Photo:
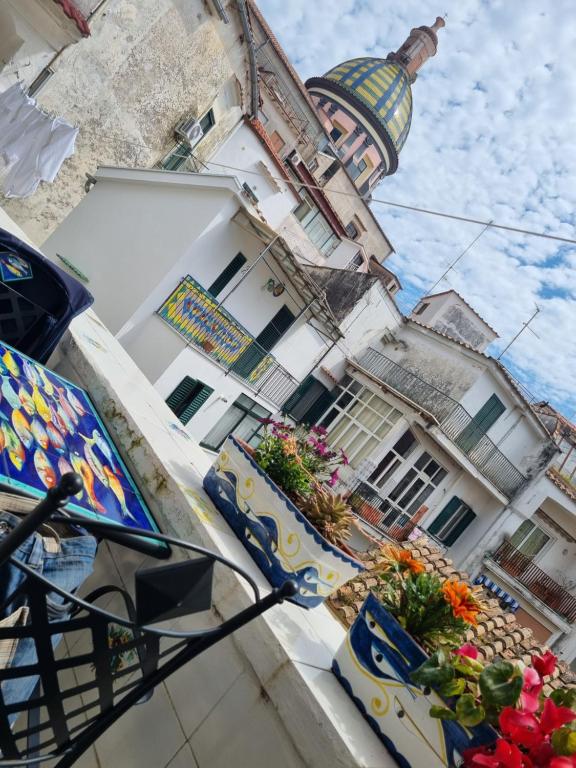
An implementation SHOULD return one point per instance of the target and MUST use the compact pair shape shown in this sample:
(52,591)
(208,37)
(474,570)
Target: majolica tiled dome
(381,87)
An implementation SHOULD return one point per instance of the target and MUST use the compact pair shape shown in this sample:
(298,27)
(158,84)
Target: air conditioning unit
(190,131)
(294,157)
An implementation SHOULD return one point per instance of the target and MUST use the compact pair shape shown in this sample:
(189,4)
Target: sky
(493,137)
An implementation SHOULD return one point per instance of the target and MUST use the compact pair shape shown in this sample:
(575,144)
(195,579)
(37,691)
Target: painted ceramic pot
(276,534)
(374,665)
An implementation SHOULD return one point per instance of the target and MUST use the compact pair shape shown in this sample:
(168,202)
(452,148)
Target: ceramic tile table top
(49,426)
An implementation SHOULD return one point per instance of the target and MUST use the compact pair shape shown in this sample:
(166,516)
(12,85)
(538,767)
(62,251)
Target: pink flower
(531,689)
(554,717)
(563,762)
(318,430)
(333,479)
(344,458)
(505,755)
(522,727)
(545,664)
(468,650)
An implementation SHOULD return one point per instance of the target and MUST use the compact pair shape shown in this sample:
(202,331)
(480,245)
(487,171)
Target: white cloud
(492,137)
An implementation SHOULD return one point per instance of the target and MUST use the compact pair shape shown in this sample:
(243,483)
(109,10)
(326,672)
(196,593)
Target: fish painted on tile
(26,399)
(2,440)
(9,394)
(56,439)
(16,451)
(46,383)
(22,428)
(83,468)
(65,420)
(75,403)
(40,434)
(64,467)
(44,469)
(57,419)
(10,363)
(94,463)
(118,491)
(66,407)
(41,405)
(31,374)
(98,440)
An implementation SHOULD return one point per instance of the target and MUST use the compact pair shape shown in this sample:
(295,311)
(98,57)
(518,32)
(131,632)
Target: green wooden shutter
(227,274)
(276,328)
(471,435)
(318,408)
(188,397)
(439,522)
(195,404)
(460,527)
(298,393)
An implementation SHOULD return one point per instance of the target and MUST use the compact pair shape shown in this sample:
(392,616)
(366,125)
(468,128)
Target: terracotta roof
(451,290)
(554,475)
(76,15)
(498,632)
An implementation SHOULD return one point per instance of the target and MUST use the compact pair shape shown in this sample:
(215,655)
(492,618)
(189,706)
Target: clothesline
(33,143)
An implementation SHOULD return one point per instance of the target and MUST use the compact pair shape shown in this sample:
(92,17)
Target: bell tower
(421,44)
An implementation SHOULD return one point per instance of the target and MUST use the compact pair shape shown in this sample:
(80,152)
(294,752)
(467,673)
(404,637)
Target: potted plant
(409,614)
(277,499)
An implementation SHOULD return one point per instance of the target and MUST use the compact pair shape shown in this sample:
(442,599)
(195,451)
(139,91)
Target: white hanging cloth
(33,145)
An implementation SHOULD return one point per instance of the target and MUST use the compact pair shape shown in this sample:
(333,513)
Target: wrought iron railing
(382,515)
(454,420)
(196,316)
(540,584)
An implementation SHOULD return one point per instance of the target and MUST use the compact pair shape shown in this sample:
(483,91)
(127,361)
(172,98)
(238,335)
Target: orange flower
(402,559)
(462,600)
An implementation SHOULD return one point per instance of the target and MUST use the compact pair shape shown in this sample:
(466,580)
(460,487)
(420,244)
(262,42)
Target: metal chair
(129,656)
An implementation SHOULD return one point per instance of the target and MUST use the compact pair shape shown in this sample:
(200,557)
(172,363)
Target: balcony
(537,581)
(195,315)
(451,418)
(381,514)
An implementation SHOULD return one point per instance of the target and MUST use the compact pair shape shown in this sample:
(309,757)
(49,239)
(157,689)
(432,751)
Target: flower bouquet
(277,499)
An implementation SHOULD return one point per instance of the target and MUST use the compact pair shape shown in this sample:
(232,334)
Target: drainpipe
(247,30)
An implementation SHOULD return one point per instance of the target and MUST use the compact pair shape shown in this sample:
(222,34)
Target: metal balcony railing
(381,514)
(196,316)
(540,584)
(453,420)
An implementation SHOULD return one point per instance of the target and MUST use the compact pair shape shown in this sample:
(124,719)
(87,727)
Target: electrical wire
(415,208)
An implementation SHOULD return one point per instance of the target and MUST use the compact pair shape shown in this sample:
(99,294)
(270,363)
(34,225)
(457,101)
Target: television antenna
(525,326)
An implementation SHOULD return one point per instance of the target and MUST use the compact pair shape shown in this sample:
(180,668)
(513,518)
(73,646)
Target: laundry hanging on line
(33,144)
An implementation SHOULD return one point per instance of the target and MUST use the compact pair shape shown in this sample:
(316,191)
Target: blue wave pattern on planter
(261,534)
(374,666)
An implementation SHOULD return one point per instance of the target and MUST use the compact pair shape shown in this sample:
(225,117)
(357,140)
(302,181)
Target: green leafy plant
(435,612)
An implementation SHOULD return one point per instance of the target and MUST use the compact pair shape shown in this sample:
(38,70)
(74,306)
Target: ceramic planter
(276,534)
(374,665)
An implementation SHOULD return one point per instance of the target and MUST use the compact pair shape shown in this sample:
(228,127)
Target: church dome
(383,89)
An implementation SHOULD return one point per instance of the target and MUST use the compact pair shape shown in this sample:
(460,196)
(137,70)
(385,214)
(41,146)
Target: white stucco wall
(447,312)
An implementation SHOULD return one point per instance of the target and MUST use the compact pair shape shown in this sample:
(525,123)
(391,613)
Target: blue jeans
(66,562)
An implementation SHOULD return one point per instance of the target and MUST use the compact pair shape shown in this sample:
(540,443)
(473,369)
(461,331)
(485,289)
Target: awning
(312,294)
(500,593)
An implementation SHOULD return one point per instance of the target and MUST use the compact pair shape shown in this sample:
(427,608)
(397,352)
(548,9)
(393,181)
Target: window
(227,274)
(313,165)
(352,231)
(471,435)
(452,521)
(182,151)
(277,141)
(357,169)
(529,539)
(411,490)
(330,171)
(316,226)
(393,459)
(356,262)
(188,397)
(358,420)
(309,401)
(335,134)
(242,420)
(422,308)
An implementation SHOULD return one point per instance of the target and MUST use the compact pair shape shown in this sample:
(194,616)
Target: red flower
(468,650)
(563,762)
(530,696)
(333,479)
(522,727)
(554,717)
(545,664)
(505,755)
